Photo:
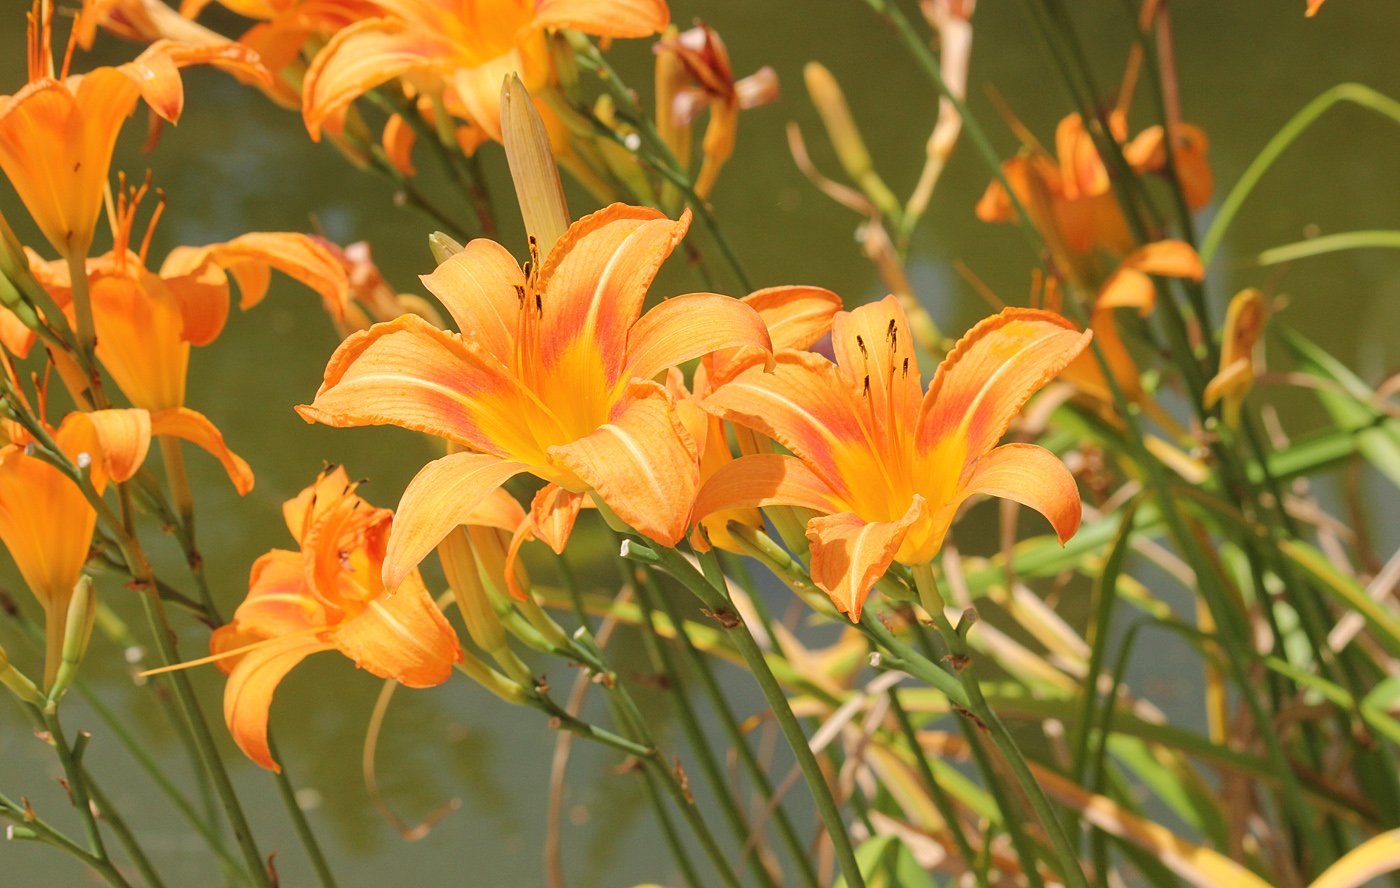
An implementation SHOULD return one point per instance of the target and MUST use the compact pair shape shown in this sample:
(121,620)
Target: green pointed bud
(82,614)
(460,567)
(845,137)
(532,167)
(443,247)
(565,63)
(17,682)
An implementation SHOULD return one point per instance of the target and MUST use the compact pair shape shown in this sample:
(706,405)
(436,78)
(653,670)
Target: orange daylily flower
(795,317)
(1313,7)
(887,464)
(551,374)
(1128,287)
(693,72)
(327,596)
(45,521)
(58,132)
(463,46)
(1070,199)
(147,322)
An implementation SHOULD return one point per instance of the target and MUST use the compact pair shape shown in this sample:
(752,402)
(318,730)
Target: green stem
(300,823)
(695,734)
(797,850)
(1330,243)
(710,589)
(956,638)
(82,307)
(124,835)
(36,829)
(77,786)
(1342,92)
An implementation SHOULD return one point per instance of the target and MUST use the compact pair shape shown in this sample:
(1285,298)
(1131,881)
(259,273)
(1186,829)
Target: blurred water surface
(237,163)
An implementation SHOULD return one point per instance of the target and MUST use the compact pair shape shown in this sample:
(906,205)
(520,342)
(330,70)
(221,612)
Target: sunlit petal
(987,378)
(402,635)
(481,288)
(849,555)
(359,58)
(408,373)
(181,422)
(440,497)
(552,515)
(248,694)
(596,279)
(1034,477)
(765,479)
(796,316)
(642,463)
(604,18)
(690,326)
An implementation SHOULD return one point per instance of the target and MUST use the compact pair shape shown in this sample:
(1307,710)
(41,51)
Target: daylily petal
(305,507)
(46,523)
(1167,258)
(499,510)
(140,337)
(766,479)
(690,326)
(642,463)
(181,422)
(850,555)
(552,515)
(481,288)
(408,373)
(802,404)
(595,280)
(249,257)
(402,636)
(279,602)
(121,439)
(248,694)
(988,376)
(398,139)
(604,18)
(359,58)
(796,316)
(440,497)
(201,291)
(875,356)
(1034,477)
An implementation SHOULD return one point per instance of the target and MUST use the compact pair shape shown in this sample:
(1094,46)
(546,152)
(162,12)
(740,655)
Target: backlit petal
(140,338)
(408,373)
(402,635)
(594,283)
(440,497)
(181,422)
(499,510)
(359,58)
(479,288)
(849,556)
(604,18)
(248,694)
(46,523)
(803,405)
(642,463)
(986,379)
(1034,477)
(305,507)
(875,356)
(121,438)
(690,326)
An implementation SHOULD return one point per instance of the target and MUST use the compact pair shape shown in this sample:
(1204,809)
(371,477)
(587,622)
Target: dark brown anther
(539,304)
(860,343)
(519,293)
(527,267)
(866,391)
(892,335)
(906,368)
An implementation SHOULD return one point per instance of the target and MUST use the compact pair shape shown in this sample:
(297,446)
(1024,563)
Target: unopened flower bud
(845,138)
(443,247)
(532,166)
(15,680)
(460,567)
(82,614)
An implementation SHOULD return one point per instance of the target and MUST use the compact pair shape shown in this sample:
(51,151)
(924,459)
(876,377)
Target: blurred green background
(237,163)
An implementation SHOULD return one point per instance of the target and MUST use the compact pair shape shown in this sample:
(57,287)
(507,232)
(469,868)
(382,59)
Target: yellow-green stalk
(846,139)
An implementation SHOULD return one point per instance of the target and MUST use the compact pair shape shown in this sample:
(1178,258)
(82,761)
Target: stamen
(865,393)
(906,368)
(214,658)
(68,53)
(860,343)
(151,225)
